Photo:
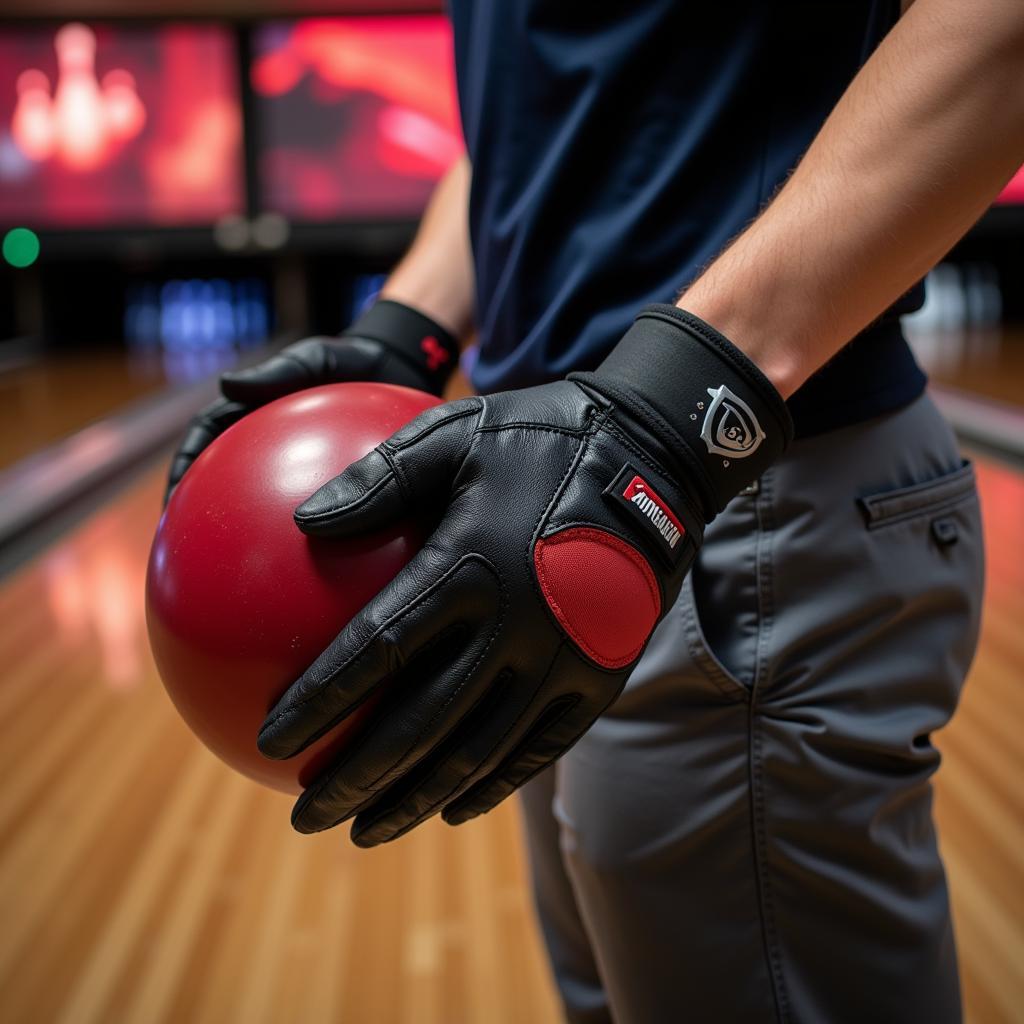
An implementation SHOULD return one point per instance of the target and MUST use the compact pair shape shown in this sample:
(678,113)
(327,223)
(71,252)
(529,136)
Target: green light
(21,247)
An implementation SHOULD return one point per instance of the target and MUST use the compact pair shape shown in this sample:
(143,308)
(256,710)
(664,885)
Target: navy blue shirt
(617,147)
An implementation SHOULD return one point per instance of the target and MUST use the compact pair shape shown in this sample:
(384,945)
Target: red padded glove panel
(601,590)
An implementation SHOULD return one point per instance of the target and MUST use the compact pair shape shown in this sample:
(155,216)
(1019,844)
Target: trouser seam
(765,614)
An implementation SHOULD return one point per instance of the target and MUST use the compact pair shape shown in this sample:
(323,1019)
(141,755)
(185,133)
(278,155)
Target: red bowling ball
(239,602)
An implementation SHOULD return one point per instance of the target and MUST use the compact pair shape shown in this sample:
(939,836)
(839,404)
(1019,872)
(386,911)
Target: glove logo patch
(730,426)
(633,494)
(642,496)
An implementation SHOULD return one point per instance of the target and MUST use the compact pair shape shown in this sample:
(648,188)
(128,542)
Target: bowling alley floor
(44,399)
(988,365)
(141,881)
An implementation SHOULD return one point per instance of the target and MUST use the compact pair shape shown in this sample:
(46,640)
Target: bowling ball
(239,602)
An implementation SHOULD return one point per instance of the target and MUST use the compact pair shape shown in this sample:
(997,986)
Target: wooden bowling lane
(47,399)
(979,797)
(143,882)
(985,363)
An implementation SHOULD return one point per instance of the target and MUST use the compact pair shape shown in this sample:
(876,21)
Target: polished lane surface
(45,400)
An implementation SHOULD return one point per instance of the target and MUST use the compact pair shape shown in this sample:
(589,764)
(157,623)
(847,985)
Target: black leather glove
(390,343)
(566,518)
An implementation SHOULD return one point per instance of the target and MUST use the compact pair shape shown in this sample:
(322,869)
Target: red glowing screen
(357,117)
(117,125)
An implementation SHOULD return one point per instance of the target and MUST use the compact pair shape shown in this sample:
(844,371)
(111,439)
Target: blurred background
(184,187)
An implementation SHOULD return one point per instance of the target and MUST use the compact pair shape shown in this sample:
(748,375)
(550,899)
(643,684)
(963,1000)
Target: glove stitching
(499,427)
(390,457)
(575,458)
(572,462)
(316,790)
(359,499)
(422,599)
(445,762)
(658,425)
(499,778)
(465,800)
(618,432)
(482,761)
(371,787)
(450,417)
(439,712)
(595,420)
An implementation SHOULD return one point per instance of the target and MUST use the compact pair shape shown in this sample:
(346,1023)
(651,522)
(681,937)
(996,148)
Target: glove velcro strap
(717,415)
(416,338)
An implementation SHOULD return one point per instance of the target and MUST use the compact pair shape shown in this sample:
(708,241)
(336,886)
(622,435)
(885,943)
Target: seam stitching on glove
(659,426)
(575,458)
(331,774)
(499,427)
(504,774)
(432,593)
(424,597)
(450,417)
(391,458)
(618,432)
(480,781)
(365,494)
(439,713)
(494,775)
(431,809)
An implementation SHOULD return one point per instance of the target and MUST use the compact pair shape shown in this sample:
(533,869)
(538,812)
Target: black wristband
(417,339)
(716,414)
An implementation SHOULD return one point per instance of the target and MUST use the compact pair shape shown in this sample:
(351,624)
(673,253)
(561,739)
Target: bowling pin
(125,114)
(32,124)
(79,115)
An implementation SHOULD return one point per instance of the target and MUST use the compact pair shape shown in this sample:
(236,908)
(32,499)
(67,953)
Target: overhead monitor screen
(112,125)
(356,117)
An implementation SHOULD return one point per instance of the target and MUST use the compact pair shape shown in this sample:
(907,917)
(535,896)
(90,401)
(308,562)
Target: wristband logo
(730,426)
(437,355)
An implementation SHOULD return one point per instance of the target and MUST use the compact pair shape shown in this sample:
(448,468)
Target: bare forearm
(436,275)
(919,145)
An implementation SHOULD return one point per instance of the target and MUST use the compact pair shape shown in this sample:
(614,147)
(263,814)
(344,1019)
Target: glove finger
(497,725)
(440,665)
(414,733)
(563,722)
(409,613)
(412,471)
(495,730)
(298,366)
(203,428)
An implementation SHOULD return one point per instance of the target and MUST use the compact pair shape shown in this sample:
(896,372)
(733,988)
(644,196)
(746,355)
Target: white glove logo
(730,426)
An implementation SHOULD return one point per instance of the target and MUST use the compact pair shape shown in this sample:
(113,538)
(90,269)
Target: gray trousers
(747,834)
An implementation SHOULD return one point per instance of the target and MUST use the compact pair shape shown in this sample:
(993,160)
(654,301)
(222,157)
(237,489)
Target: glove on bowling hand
(567,516)
(390,344)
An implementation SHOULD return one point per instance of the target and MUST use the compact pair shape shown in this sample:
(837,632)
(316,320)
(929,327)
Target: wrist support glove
(390,343)
(566,518)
